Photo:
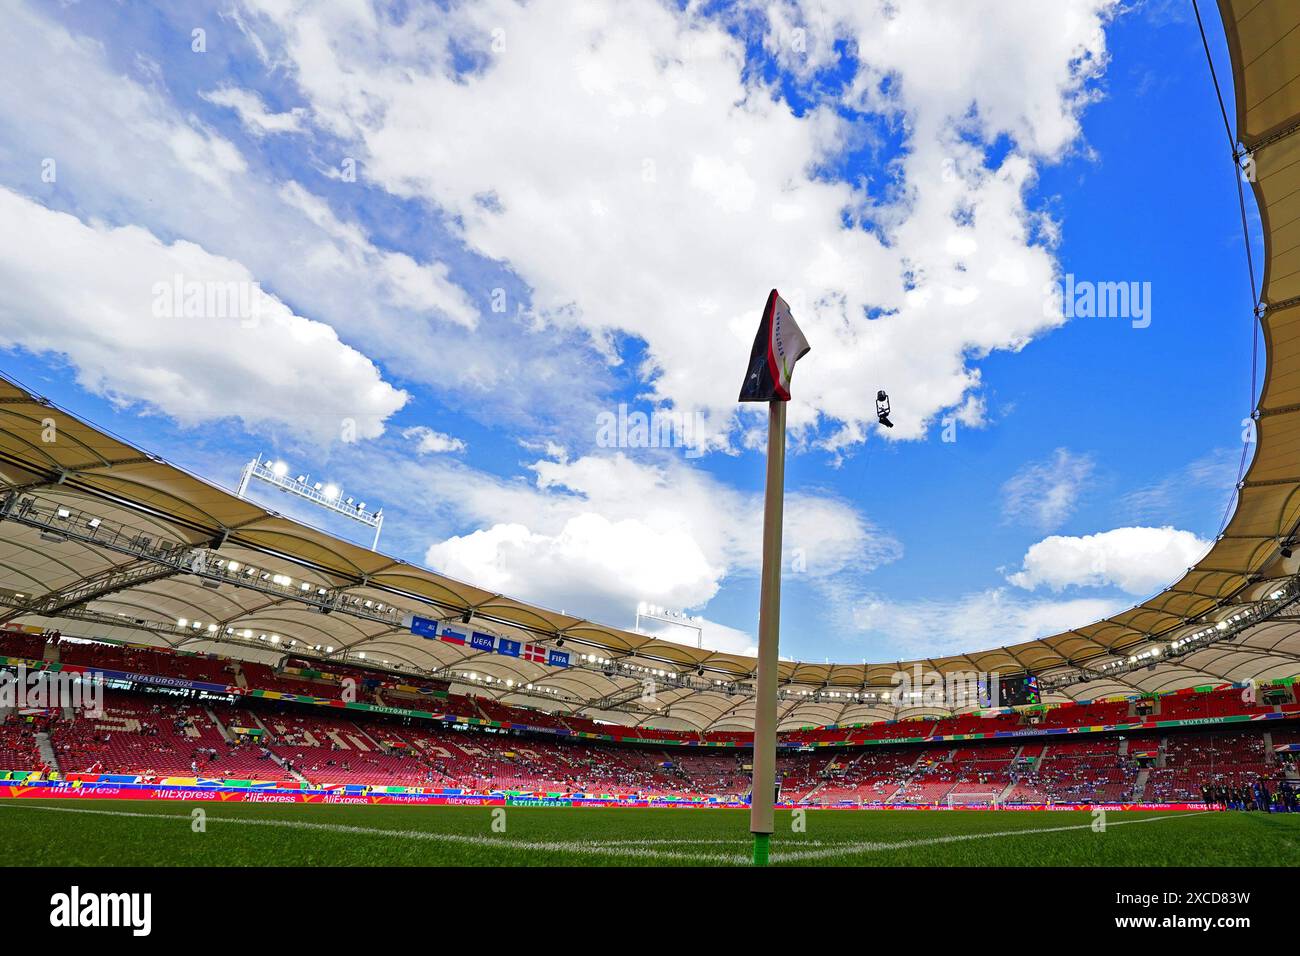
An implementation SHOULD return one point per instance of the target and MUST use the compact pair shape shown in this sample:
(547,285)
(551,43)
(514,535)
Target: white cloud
(1044,494)
(598,534)
(629,169)
(993,51)
(1139,561)
(105,298)
(126,153)
(429,442)
(1214,472)
(983,619)
(590,560)
(405,283)
(252,112)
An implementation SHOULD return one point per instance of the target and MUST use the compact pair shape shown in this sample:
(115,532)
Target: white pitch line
(580,846)
(692,841)
(637,849)
(875,847)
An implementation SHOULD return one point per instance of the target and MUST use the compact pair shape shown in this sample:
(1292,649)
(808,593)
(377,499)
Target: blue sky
(561,209)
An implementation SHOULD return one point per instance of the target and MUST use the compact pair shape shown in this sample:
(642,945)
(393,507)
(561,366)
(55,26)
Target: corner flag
(778,345)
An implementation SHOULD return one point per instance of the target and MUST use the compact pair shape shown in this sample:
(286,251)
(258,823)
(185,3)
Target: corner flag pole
(777,347)
(763,788)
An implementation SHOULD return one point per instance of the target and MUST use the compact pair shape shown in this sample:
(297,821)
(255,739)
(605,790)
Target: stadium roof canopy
(101,539)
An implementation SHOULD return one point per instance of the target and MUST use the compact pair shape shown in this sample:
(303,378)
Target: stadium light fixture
(327,496)
(652,612)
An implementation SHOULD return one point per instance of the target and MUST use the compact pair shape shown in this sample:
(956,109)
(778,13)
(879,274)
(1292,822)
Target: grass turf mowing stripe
(619,848)
(794,856)
(573,846)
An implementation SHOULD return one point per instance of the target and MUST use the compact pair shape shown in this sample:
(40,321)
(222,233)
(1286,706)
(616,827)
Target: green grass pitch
(137,833)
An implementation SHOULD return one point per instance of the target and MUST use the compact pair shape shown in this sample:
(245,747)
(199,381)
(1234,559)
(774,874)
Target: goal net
(969,799)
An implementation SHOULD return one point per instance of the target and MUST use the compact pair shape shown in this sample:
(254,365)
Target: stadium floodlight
(327,496)
(652,612)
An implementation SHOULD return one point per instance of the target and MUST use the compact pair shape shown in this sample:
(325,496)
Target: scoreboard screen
(1018,690)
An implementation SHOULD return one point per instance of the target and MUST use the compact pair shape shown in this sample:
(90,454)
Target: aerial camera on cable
(882,409)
